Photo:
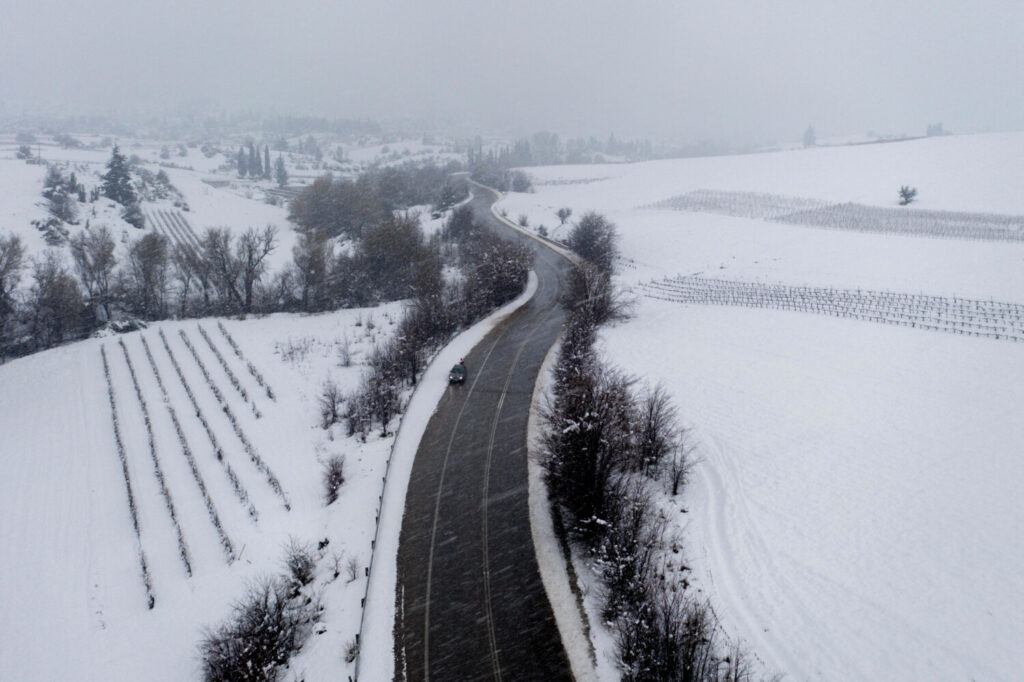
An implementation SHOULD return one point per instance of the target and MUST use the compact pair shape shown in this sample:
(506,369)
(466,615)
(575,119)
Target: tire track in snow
(721,559)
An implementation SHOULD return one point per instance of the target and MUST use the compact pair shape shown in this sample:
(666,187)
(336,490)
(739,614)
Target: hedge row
(606,450)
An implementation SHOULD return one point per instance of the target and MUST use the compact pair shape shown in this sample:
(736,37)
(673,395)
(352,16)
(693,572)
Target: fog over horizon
(732,71)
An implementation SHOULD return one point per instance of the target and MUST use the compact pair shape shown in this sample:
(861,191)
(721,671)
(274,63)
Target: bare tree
(224,267)
(592,296)
(657,432)
(331,401)
(56,301)
(810,139)
(185,267)
(334,478)
(586,445)
(563,214)
(147,276)
(679,465)
(12,256)
(93,254)
(252,251)
(311,256)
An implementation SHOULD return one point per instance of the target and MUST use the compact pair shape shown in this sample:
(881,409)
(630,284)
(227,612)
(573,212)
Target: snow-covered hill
(855,510)
(208,184)
(243,478)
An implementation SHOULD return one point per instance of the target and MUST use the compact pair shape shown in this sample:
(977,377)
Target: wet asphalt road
(470,603)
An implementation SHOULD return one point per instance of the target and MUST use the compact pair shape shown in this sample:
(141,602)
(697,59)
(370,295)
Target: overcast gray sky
(684,70)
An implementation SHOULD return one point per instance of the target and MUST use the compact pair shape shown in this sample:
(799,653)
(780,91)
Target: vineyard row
(236,484)
(132,507)
(157,469)
(989,319)
(250,450)
(186,450)
(851,216)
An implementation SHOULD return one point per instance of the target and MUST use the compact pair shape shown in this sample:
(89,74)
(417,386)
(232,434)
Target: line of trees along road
(609,451)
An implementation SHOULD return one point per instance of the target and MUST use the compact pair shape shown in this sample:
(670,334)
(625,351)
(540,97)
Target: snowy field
(73,581)
(72,593)
(855,510)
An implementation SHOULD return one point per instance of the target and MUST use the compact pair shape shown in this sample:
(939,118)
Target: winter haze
(730,70)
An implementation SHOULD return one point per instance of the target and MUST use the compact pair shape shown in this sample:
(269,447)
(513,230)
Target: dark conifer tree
(280,174)
(243,163)
(117,182)
(266,162)
(255,167)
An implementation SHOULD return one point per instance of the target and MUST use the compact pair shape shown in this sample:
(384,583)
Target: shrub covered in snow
(334,477)
(266,627)
(606,450)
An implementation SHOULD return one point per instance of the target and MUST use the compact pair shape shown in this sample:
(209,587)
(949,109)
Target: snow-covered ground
(855,509)
(237,205)
(72,581)
(215,195)
(72,594)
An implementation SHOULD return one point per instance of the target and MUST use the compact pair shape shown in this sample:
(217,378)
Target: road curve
(470,604)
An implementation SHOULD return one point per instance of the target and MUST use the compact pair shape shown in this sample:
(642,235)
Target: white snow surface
(854,511)
(238,206)
(71,591)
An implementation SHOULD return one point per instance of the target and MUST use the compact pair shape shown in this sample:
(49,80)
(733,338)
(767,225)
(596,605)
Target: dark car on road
(458,374)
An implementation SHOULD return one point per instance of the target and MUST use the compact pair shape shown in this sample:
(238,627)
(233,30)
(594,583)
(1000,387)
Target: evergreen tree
(62,205)
(595,238)
(280,174)
(810,138)
(266,162)
(54,179)
(255,167)
(117,182)
(907,194)
(133,216)
(243,163)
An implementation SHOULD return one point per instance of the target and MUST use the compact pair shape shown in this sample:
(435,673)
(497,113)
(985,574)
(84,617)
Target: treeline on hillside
(95,281)
(492,271)
(152,279)
(65,195)
(609,449)
(548,149)
(498,176)
(341,207)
